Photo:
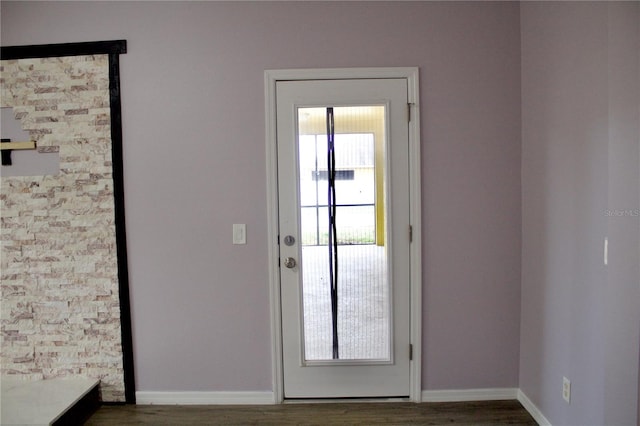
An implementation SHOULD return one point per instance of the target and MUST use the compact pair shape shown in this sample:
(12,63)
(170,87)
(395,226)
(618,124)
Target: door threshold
(348,400)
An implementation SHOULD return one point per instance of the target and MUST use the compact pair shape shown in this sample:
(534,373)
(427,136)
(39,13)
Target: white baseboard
(532,409)
(205,398)
(495,394)
(262,398)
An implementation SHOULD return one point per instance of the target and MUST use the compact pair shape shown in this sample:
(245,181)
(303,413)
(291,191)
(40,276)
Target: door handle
(289,262)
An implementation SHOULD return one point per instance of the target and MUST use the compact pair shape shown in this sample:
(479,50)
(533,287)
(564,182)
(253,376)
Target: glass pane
(363,309)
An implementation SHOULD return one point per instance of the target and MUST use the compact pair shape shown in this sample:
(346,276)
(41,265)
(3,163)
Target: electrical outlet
(566,390)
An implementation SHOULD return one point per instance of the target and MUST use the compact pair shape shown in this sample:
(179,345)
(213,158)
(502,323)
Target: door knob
(289,262)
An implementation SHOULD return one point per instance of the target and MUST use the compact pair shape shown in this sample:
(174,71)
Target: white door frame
(270,79)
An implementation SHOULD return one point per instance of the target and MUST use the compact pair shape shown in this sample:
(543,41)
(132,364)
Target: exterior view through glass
(363,302)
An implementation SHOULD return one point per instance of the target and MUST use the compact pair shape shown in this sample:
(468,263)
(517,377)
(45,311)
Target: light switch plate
(239,233)
(566,390)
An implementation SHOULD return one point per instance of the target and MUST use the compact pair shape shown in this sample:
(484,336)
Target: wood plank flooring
(387,413)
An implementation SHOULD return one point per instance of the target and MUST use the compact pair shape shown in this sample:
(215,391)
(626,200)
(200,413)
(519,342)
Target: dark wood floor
(387,413)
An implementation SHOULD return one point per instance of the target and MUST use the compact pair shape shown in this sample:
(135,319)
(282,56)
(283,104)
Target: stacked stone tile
(60,309)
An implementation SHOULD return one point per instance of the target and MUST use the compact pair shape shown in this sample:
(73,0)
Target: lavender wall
(580,169)
(193,122)
(623,297)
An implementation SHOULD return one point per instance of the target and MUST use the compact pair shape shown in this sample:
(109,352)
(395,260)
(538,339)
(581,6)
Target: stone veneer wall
(60,309)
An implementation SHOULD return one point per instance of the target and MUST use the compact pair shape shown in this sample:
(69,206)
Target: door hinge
(410,233)
(408,113)
(410,352)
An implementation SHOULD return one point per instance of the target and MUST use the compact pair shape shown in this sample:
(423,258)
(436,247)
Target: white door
(343,185)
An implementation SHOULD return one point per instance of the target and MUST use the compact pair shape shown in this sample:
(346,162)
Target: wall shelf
(17,145)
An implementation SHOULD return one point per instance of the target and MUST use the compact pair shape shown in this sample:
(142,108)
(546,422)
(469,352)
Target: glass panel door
(343,198)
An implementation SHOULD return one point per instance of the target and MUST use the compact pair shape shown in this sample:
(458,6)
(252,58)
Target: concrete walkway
(363,300)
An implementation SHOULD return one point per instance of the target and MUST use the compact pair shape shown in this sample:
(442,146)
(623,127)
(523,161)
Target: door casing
(270,79)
